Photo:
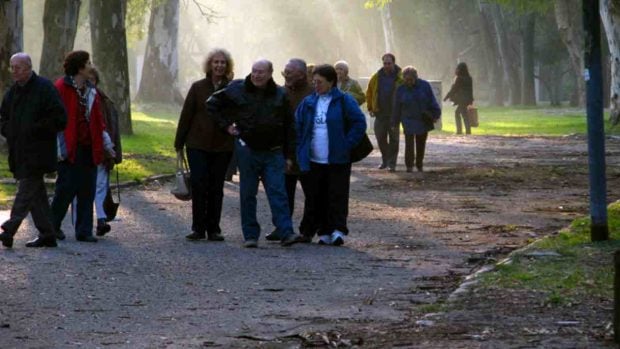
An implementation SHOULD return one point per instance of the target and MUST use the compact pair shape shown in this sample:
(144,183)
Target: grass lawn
(149,150)
(581,270)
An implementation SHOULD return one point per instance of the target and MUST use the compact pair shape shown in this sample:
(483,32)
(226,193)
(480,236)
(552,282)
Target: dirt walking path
(414,236)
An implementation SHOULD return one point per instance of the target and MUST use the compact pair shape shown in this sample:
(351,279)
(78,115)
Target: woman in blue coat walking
(329,124)
(417,109)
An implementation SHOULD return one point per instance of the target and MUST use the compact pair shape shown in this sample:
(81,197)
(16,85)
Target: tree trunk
(12,37)
(107,31)
(496,88)
(569,21)
(60,18)
(160,71)
(610,15)
(388,28)
(511,71)
(528,91)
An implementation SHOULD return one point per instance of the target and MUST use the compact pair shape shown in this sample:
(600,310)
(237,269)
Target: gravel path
(413,238)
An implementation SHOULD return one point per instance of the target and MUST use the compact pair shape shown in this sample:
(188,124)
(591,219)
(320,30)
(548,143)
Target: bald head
(262,70)
(21,67)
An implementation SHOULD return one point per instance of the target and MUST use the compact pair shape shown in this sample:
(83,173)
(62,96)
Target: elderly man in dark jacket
(30,116)
(257,112)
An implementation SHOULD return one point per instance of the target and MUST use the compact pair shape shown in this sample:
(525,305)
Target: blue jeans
(268,165)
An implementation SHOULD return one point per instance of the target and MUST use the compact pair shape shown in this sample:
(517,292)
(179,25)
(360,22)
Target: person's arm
(396,110)
(370,95)
(185,119)
(4,116)
(355,120)
(357,93)
(216,105)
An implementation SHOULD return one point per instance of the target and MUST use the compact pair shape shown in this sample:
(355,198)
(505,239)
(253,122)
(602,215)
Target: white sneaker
(337,238)
(251,243)
(325,240)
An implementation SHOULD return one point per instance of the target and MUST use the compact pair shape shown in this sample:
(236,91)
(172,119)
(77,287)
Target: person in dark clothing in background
(257,112)
(297,88)
(462,95)
(379,99)
(31,115)
(208,148)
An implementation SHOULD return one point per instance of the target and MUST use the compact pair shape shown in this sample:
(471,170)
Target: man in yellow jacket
(380,97)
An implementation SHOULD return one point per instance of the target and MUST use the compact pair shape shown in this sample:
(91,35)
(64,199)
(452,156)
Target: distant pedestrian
(379,99)
(31,115)
(417,109)
(209,148)
(86,145)
(462,95)
(257,112)
(328,124)
(348,85)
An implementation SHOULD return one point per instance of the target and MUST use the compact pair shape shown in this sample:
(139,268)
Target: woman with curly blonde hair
(208,148)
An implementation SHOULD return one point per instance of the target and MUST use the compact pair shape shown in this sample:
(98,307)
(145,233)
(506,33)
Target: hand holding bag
(182,188)
(364,147)
(109,206)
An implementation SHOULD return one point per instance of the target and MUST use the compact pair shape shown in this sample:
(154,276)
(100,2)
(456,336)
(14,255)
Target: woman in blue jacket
(329,124)
(417,109)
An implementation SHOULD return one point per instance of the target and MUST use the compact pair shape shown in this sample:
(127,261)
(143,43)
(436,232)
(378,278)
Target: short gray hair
(24,57)
(299,64)
(266,62)
(342,64)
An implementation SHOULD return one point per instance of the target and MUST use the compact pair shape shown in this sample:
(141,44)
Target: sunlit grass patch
(582,269)
(520,121)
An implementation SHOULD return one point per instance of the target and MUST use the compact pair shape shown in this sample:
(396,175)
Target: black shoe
(7,239)
(290,239)
(409,169)
(42,242)
(273,236)
(215,237)
(60,235)
(87,238)
(196,236)
(420,169)
(102,227)
(392,169)
(382,167)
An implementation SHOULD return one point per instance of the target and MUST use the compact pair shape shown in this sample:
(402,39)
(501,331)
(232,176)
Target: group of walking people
(301,132)
(69,127)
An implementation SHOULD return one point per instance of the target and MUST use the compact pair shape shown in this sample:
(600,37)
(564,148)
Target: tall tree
(493,55)
(507,54)
(11,35)
(108,36)
(161,70)
(60,18)
(610,15)
(569,21)
(528,91)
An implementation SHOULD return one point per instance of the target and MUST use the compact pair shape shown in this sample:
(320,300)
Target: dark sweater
(197,129)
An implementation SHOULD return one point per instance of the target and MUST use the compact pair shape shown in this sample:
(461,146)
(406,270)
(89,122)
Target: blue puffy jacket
(346,125)
(410,103)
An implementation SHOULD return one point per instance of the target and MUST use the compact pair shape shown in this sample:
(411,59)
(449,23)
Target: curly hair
(230,64)
(74,61)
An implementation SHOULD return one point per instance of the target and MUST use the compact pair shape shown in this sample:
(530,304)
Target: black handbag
(428,121)
(109,206)
(363,148)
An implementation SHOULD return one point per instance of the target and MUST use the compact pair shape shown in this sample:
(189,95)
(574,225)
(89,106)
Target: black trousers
(414,150)
(208,170)
(461,113)
(78,179)
(327,197)
(387,139)
(31,197)
(307,226)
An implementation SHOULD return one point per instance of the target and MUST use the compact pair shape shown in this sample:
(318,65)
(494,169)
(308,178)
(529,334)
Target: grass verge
(581,269)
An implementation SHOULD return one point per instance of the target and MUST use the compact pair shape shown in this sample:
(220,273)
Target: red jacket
(70,99)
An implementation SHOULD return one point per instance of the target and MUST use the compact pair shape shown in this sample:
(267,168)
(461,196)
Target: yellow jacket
(373,87)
